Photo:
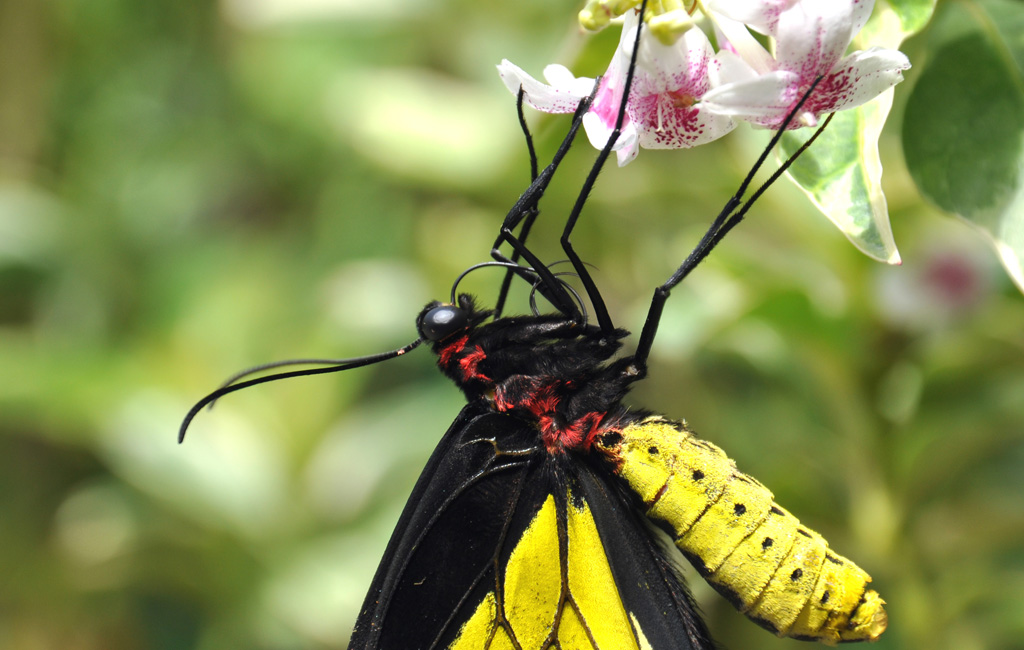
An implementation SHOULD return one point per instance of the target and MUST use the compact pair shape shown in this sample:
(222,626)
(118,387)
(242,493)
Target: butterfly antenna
(512,267)
(568,287)
(334,365)
(726,220)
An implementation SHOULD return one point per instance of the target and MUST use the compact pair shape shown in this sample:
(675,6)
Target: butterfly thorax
(548,370)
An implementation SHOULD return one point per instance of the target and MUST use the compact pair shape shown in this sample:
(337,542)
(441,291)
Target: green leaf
(841,173)
(894,21)
(963,133)
(913,14)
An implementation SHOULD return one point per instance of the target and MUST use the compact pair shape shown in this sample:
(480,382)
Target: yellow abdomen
(776,571)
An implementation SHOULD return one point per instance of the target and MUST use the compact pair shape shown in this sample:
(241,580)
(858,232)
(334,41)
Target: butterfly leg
(525,212)
(731,215)
(600,310)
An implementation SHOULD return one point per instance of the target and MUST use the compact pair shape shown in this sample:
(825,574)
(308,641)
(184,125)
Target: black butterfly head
(440,320)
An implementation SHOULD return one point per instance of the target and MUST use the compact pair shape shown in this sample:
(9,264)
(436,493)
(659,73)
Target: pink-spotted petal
(733,37)
(626,155)
(668,84)
(559,76)
(682,67)
(763,100)
(859,14)
(857,79)
(540,96)
(674,126)
(730,68)
(609,91)
(812,35)
(760,15)
(608,98)
(599,131)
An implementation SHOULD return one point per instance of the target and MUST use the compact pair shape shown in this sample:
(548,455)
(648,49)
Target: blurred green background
(189,188)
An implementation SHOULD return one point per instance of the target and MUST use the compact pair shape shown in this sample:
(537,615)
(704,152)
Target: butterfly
(551,515)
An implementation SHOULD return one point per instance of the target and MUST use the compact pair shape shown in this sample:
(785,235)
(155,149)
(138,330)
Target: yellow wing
(776,571)
(542,603)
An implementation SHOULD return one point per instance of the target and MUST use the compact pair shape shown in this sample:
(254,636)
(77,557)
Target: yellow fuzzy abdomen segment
(775,570)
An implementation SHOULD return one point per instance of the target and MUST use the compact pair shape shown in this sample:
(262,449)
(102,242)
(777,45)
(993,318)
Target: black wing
(505,545)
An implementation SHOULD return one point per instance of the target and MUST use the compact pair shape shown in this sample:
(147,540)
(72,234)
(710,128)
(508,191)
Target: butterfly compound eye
(442,321)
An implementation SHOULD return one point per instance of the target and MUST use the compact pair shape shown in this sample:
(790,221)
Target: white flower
(684,94)
(562,94)
(811,37)
(664,109)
